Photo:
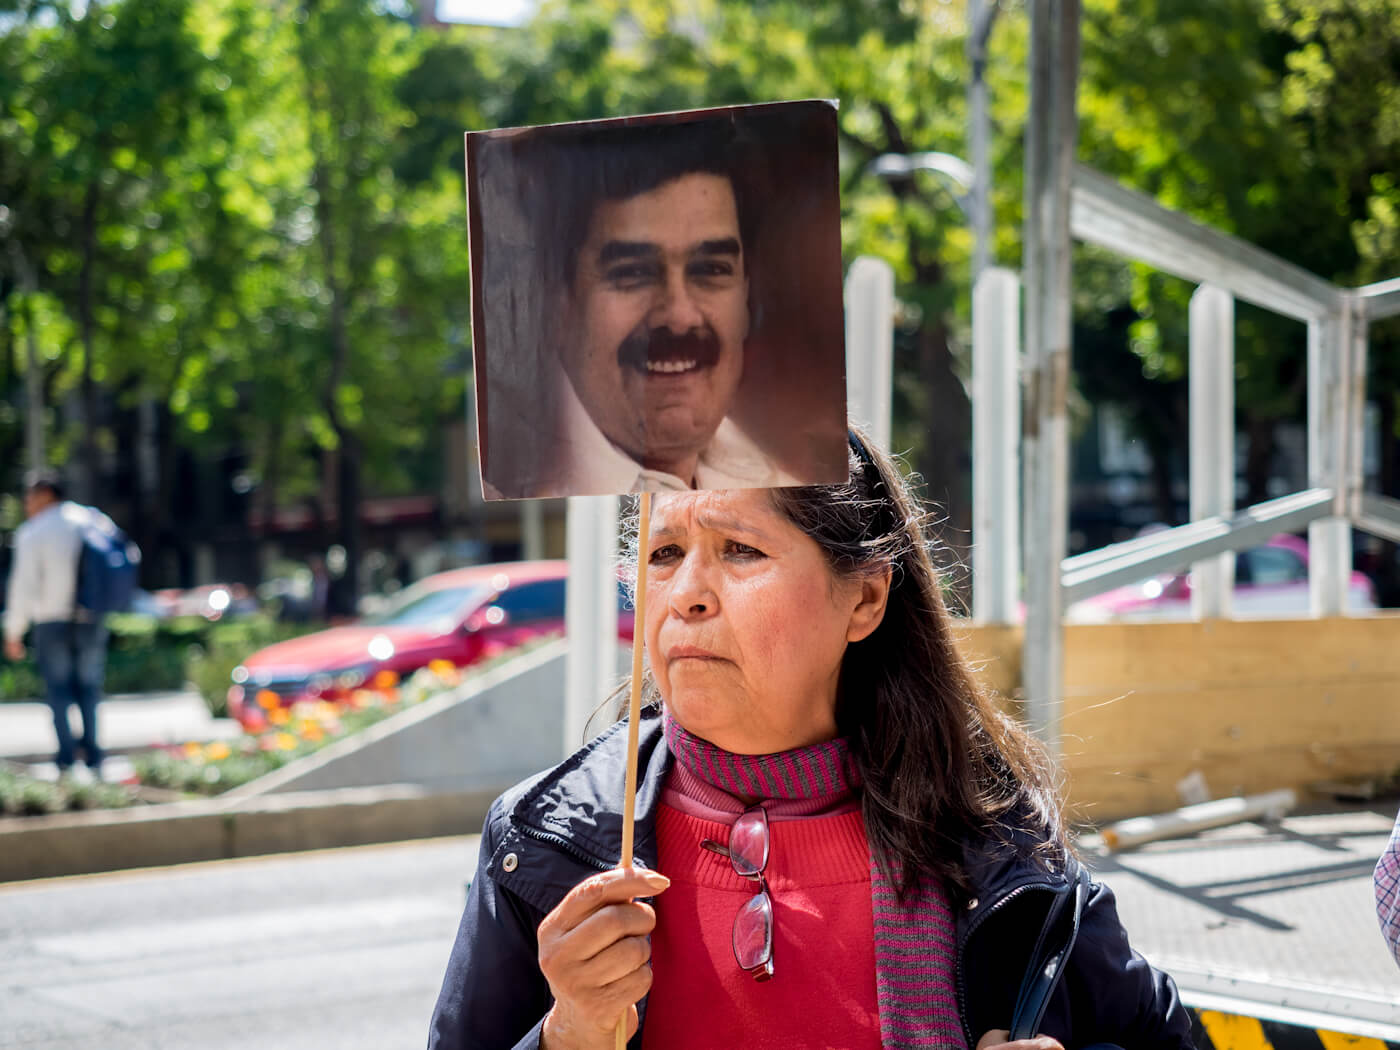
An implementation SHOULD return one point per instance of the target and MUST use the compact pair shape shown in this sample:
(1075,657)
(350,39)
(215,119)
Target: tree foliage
(247,214)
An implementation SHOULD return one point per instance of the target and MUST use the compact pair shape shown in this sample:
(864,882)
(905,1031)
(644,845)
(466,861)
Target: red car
(462,616)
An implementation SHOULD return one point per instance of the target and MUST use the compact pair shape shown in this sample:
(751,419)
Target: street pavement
(124,723)
(338,948)
(346,948)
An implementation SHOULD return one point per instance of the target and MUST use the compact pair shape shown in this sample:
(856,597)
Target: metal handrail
(1175,550)
(1135,226)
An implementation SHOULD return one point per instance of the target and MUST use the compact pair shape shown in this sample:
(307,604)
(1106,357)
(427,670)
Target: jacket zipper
(561,843)
(962,948)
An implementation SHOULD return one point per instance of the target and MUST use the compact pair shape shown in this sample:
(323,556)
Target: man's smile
(672,367)
(659,353)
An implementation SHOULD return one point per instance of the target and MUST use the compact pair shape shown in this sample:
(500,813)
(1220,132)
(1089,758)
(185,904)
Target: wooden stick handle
(634,710)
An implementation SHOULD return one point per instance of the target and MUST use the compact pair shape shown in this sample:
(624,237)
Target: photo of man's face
(657,315)
(657,304)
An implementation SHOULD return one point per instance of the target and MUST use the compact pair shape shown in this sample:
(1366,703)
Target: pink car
(1270,581)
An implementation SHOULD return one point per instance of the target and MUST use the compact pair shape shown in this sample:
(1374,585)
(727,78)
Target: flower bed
(25,796)
(289,733)
(196,769)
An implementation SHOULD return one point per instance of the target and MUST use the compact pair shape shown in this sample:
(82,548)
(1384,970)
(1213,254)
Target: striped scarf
(914,939)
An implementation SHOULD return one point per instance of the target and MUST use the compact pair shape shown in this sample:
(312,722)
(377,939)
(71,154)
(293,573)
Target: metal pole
(1211,380)
(531,529)
(1356,408)
(870,345)
(1050,141)
(980,17)
(1329,540)
(590,613)
(996,434)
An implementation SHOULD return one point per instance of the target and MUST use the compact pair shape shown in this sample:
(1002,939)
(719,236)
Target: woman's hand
(998,1039)
(594,953)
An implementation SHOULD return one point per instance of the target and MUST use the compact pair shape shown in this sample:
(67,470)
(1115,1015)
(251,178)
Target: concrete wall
(493,731)
(214,829)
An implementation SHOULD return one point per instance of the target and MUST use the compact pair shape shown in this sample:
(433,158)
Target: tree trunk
(1259,460)
(1161,454)
(169,569)
(945,459)
(345,591)
(33,375)
(86,481)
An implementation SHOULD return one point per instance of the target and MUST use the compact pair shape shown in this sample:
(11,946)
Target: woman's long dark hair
(942,763)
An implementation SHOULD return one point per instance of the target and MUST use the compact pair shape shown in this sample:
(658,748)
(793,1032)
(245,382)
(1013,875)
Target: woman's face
(745,623)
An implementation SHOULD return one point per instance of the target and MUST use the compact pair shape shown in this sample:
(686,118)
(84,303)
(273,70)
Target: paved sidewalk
(124,723)
(1277,914)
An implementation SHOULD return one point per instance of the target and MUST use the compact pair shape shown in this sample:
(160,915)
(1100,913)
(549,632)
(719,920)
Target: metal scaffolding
(1065,201)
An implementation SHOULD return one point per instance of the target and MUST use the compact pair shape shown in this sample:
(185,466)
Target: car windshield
(420,609)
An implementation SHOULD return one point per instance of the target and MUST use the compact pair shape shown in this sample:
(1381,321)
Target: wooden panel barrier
(1250,705)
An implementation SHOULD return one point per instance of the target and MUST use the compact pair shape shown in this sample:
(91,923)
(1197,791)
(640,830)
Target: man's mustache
(700,345)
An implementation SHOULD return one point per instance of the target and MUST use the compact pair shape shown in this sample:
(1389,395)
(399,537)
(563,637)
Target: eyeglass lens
(753,926)
(748,843)
(753,936)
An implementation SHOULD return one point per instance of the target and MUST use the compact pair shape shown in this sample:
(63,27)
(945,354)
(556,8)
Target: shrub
(23,795)
(38,797)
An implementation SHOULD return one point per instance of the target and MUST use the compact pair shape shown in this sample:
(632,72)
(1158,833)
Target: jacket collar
(579,803)
(581,800)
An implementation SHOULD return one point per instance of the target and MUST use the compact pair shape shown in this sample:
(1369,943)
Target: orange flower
(193,749)
(279,717)
(313,732)
(286,742)
(268,700)
(216,751)
(385,679)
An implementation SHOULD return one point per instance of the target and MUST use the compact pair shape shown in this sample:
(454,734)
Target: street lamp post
(980,16)
(969,180)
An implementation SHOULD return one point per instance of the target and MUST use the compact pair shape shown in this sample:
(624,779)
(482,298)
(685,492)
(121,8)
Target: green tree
(107,89)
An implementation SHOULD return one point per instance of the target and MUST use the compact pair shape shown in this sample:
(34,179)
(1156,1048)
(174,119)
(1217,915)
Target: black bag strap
(1047,959)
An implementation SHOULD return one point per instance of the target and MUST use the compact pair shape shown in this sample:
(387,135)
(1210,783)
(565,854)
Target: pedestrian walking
(70,643)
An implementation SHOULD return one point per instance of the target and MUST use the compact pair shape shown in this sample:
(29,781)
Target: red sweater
(823,989)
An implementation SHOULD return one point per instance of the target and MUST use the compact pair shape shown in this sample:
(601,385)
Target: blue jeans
(72,658)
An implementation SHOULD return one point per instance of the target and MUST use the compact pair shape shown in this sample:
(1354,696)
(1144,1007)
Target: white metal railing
(1175,550)
(1137,227)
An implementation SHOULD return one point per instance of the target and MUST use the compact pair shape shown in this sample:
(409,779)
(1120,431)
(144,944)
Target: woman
(841,842)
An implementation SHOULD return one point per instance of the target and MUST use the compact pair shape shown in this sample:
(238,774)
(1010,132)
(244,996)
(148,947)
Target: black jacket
(544,836)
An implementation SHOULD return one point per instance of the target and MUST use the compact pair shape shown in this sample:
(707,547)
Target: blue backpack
(107,567)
